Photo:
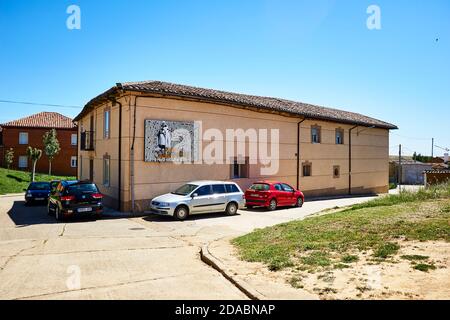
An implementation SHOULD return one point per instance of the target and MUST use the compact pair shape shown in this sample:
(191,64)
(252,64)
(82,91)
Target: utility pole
(400,167)
(432,148)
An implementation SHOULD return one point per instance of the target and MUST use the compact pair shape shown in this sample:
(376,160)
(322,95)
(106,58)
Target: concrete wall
(370,151)
(413,173)
(61,164)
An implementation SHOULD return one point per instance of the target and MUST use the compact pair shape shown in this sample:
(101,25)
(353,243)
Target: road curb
(9,195)
(243,286)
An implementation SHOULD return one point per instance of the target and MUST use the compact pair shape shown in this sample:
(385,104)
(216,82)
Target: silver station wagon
(199,197)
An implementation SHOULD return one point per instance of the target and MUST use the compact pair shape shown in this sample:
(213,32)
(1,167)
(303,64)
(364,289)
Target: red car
(273,194)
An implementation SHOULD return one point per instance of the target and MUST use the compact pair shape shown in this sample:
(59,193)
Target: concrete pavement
(129,258)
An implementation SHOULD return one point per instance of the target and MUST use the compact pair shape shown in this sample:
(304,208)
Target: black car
(75,198)
(37,192)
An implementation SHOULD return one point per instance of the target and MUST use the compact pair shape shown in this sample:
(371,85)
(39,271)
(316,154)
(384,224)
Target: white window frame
(106,171)
(23,135)
(73,161)
(74,139)
(107,123)
(23,162)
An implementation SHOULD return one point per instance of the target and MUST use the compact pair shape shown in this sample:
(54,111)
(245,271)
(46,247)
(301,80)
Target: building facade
(29,131)
(322,151)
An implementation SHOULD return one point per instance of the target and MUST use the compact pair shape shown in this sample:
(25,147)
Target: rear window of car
(231,188)
(260,187)
(287,187)
(39,186)
(82,188)
(278,187)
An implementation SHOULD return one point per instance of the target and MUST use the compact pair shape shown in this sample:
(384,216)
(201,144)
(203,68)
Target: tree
(9,158)
(51,147)
(34,154)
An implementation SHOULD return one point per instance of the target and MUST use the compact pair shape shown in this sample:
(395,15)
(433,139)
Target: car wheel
(232,209)
(299,202)
(181,213)
(272,205)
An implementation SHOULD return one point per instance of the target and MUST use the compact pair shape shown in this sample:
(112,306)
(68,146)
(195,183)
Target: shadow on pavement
(158,218)
(23,215)
(345,196)
(36,214)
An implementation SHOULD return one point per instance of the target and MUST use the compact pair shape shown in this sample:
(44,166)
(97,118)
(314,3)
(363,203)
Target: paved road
(128,258)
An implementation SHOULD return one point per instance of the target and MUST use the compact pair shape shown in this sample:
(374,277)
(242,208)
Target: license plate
(84,209)
(255,195)
(39,199)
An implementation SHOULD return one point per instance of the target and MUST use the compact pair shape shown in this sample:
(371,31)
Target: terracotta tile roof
(43,120)
(236,99)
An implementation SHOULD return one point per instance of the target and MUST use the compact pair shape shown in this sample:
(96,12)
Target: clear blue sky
(319,52)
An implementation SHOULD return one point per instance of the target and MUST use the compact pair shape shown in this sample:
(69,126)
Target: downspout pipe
(350,159)
(133,201)
(119,170)
(298,151)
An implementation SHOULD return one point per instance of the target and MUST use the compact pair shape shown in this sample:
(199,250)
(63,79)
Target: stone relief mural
(171,141)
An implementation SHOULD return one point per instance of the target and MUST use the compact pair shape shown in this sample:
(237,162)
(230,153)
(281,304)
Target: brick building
(29,131)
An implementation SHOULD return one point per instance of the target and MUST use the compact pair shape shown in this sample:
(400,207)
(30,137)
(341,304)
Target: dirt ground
(394,278)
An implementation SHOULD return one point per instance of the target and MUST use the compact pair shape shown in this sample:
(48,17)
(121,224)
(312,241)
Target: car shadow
(34,214)
(263,209)
(195,217)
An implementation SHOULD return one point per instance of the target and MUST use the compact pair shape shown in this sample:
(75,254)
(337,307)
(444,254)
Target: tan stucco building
(323,151)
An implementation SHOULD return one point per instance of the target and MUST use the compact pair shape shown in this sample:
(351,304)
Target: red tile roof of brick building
(42,120)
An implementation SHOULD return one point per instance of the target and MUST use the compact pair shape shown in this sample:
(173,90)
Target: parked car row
(66,198)
(219,196)
(76,198)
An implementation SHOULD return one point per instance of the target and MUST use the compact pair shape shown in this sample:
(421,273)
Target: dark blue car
(37,192)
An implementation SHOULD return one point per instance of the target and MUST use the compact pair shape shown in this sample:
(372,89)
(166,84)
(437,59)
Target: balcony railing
(87,141)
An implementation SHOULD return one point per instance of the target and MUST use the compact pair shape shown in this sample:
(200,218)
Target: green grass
(341,266)
(392,186)
(424,267)
(349,258)
(386,250)
(434,192)
(414,257)
(326,241)
(12,181)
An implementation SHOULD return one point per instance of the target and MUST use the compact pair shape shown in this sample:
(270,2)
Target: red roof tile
(43,120)
(260,103)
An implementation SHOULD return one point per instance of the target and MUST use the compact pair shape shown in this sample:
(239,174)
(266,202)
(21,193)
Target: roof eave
(114,90)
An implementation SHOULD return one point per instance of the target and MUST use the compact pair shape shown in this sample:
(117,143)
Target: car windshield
(260,187)
(185,190)
(82,188)
(39,186)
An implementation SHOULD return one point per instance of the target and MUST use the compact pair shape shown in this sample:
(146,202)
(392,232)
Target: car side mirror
(194,195)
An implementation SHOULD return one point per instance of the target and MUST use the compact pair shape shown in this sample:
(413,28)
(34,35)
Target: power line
(411,138)
(40,104)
